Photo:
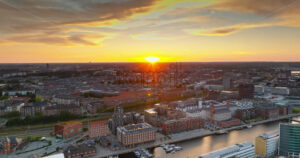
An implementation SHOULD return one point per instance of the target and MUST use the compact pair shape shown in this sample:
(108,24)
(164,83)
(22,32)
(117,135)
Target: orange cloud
(29,21)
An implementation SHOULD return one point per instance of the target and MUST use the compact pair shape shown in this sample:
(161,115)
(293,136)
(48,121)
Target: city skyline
(130,30)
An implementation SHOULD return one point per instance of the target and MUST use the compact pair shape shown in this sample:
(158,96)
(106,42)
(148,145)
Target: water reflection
(194,148)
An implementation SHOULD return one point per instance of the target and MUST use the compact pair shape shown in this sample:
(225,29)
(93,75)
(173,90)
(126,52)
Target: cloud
(54,18)
(149,36)
(227,30)
(66,40)
(267,13)
(263,7)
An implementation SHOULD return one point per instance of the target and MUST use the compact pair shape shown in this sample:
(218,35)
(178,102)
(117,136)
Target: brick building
(98,129)
(67,129)
(183,124)
(267,111)
(135,134)
(228,123)
(245,114)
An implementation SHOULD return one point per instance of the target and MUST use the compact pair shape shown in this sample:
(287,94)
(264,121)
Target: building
(9,144)
(67,129)
(56,109)
(33,108)
(277,90)
(289,140)
(266,144)
(65,99)
(221,115)
(242,150)
(82,150)
(98,129)
(94,106)
(21,92)
(182,124)
(151,117)
(227,83)
(59,155)
(189,105)
(267,111)
(246,91)
(136,134)
(117,119)
(245,110)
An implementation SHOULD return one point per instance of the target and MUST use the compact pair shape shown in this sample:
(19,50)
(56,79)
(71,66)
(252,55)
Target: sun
(152,59)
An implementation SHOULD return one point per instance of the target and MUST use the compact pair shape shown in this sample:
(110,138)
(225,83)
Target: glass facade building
(289,141)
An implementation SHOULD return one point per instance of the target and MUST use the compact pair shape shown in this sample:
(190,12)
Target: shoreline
(185,136)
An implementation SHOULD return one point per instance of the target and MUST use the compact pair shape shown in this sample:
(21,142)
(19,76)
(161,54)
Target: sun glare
(152,59)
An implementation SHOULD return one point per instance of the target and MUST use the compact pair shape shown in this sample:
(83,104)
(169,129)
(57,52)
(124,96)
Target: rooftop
(226,151)
(269,135)
(136,128)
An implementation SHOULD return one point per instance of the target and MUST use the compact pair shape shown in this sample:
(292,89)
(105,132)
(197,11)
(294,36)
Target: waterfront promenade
(183,136)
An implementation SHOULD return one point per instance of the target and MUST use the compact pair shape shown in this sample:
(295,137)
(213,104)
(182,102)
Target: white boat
(177,148)
(137,153)
(170,149)
(221,132)
(162,145)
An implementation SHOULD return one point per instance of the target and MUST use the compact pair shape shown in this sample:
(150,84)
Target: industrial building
(266,144)
(136,134)
(242,150)
(67,129)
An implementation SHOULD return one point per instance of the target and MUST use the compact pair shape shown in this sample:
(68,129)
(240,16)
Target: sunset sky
(130,30)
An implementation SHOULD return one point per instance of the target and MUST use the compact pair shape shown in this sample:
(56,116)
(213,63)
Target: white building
(242,150)
(18,92)
(271,90)
(266,144)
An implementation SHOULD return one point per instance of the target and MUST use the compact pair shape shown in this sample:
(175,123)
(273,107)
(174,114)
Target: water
(196,147)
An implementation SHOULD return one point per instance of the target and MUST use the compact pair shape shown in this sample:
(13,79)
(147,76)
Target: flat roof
(136,128)
(60,155)
(229,150)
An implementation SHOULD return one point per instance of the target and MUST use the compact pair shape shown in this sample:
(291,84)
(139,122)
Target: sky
(46,31)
